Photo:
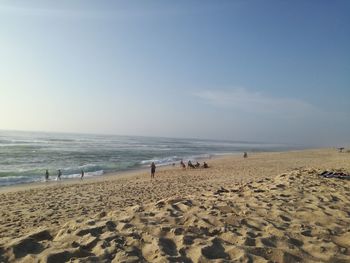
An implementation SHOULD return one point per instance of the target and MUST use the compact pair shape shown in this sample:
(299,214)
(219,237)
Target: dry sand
(270,207)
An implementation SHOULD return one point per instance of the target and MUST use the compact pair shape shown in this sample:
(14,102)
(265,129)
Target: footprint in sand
(167,246)
(215,250)
(284,218)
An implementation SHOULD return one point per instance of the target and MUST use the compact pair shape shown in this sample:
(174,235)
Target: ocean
(25,156)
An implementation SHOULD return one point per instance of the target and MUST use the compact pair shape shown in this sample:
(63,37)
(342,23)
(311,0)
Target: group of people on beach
(59,174)
(183,165)
(191,165)
(153,168)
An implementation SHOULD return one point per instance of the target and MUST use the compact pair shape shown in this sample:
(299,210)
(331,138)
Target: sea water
(25,156)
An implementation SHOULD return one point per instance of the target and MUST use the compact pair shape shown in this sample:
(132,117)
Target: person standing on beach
(153,170)
(47,175)
(82,174)
(59,175)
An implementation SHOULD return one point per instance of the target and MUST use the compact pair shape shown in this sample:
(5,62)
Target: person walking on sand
(153,170)
(47,175)
(82,175)
(59,175)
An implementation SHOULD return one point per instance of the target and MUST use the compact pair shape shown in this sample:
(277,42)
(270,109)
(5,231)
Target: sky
(269,71)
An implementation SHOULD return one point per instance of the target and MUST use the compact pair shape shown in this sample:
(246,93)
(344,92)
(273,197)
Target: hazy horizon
(262,71)
(298,145)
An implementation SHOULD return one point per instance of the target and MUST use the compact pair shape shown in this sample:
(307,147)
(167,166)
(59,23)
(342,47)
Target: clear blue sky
(276,71)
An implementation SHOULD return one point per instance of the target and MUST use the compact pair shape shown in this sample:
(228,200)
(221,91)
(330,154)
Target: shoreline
(106,176)
(135,172)
(69,181)
(27,156)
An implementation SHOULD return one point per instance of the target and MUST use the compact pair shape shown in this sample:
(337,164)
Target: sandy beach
(269,207)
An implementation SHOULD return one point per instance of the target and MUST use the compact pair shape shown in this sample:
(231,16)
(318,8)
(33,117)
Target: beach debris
(221,190)
(332,174)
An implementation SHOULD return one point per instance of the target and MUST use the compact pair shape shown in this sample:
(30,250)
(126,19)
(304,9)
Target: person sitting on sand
(205,165)
(245,155)
(47,175)
(197,165)
(182,164)
(82,175)
(153,169)
(340,149)
(189,164)
(59,175)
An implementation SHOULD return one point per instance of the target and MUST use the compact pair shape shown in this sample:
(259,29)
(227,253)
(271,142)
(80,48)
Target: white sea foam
(164,161)
(78,175)
(86,165)
(12,180)
(96,173)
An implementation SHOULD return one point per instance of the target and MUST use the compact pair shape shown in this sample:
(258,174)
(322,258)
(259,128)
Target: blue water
(24,156)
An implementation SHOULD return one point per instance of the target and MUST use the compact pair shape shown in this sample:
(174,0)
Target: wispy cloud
(254,102)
